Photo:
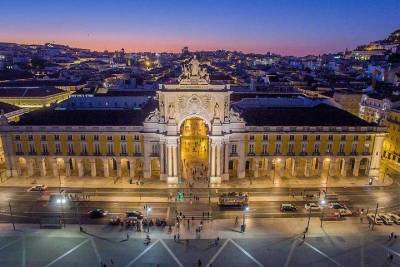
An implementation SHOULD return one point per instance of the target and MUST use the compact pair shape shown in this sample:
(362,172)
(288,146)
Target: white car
(371,218)
(394,217)
(385,218)
(312,207)
(38,188)
(345,212)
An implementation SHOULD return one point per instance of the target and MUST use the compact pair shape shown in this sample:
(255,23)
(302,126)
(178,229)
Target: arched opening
(194,149)
(363,171)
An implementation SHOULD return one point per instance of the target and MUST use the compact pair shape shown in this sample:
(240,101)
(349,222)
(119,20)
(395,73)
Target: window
(291,137)
(233,149)
(123,148)
(83,148)
(355,138)
(318,138)
(96,138)
(368,137)
(32,148)
(19,148)
(304,147)
(138,148)
(123,138)
(83,137)
(366,148)
(277,148)
(304,137)
(265,137)
(30,137)
(251,148)
(265,149)
(330,137)
(96,149)
(43,138)
(316,148)
(69,137)
(341,148)
(17,137)
(57,138)
(155,149)
(343,138)
(291,148)
(109,138)
(70,148)
(137,137)
(354,148)
(278,138)
(110,148)
(58,148)
(251,137)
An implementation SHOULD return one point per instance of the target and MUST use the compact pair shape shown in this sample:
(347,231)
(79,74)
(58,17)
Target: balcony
(290,154)
(155,154)
(71,153)
(303,153)
(264,154)
(19,153)
(45,153)
(316,153)
(367,153)
(353,153)
(137,154)
(278,153)
(96,153)
(110,154)
(251,154)
(341,154)
(57,153)
(32,153)
(123,154)
(84,153)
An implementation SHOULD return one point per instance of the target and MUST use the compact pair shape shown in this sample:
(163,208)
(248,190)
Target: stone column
(175,161)
(343,170)
(80,167)
(218,160)
(67,168)
(55,167)
(212,160)
(293,168)
(106,168)
(242,160)
(320,166)
(226,162)
(169,152)
(30,167)
(307,168)
(332,167)
(43,171)
(356,167)
(131,168)
(265,166)
(119,170)
(255,168)
(162,161)
(147,160)
(93,167)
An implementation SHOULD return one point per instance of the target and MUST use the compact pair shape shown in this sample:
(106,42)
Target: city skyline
(288,28)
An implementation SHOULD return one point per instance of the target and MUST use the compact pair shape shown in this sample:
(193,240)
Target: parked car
(312,207)
(288,207)
(134,215)
(394,217)
(38,188)
(371,218)
(97,213)
(337,205)
(345,212)
(385,218)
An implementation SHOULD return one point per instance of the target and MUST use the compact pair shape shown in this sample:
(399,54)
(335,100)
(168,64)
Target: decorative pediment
(194,74)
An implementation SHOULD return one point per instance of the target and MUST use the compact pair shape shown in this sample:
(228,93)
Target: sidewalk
(261,182)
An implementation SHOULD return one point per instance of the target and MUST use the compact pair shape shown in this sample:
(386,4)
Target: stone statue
(154,116)
(171,111)
(216,111)
(195,67)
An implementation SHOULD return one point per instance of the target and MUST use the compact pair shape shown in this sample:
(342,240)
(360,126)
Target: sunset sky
(289,27)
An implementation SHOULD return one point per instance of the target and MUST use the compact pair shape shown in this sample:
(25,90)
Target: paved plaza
(266,242)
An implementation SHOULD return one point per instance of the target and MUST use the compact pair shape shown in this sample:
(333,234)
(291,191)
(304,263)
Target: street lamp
(246,209)
(327,176)
(148,209)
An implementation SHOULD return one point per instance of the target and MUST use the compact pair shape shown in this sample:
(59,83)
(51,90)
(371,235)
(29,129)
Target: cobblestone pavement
(266,242)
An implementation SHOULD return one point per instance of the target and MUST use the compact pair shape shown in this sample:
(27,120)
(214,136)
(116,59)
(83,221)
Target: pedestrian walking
(127,236)
(236,220)
(179,237)
(304,236)
(112,262)
(174,238)
(199,263)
